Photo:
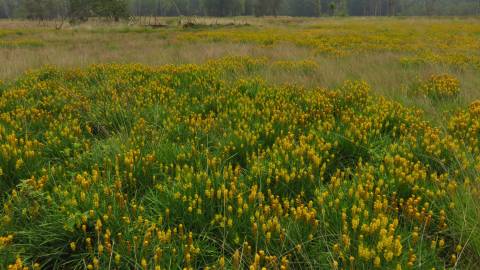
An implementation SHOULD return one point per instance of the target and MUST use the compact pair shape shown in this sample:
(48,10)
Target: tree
(332,8)
(267,7)
(79,10)
(260,7)
(4,9)
(221,8)
(275,6)
(430,7)
(115,9)
(318,7)
(41,9)
(248,7)
(33,9)
(392,7)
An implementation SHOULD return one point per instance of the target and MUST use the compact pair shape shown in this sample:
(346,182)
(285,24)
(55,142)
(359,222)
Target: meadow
(243,143)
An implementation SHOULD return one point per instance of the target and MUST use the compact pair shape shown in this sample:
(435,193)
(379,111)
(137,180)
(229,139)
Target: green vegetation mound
(127,166)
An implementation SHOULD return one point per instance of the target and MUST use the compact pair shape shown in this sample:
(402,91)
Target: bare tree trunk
(156,11)
(430,7)
(319,8)
(393,8)
(6,9)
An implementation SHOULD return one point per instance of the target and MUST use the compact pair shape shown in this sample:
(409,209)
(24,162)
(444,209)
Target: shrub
(440,86)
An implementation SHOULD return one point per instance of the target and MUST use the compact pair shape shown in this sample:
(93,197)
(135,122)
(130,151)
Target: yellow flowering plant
(441,86)
(136,167)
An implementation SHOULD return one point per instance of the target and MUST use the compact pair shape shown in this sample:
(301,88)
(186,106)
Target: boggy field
(390,54)
(305,144)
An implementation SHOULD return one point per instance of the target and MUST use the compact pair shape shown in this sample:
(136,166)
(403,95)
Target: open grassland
(389,54)
(266,143)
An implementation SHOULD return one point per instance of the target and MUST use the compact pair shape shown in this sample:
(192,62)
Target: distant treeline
(79,10)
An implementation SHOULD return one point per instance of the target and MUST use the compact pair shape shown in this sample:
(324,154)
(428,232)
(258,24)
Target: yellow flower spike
(73,246)
(377,262)
(98,225)
(453,259)
(100,249)
(19,163)
(117,259)
(414,237)
(335,264)
(441,243)
(236,259)
(310,237)
(221,262)
(96,263)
